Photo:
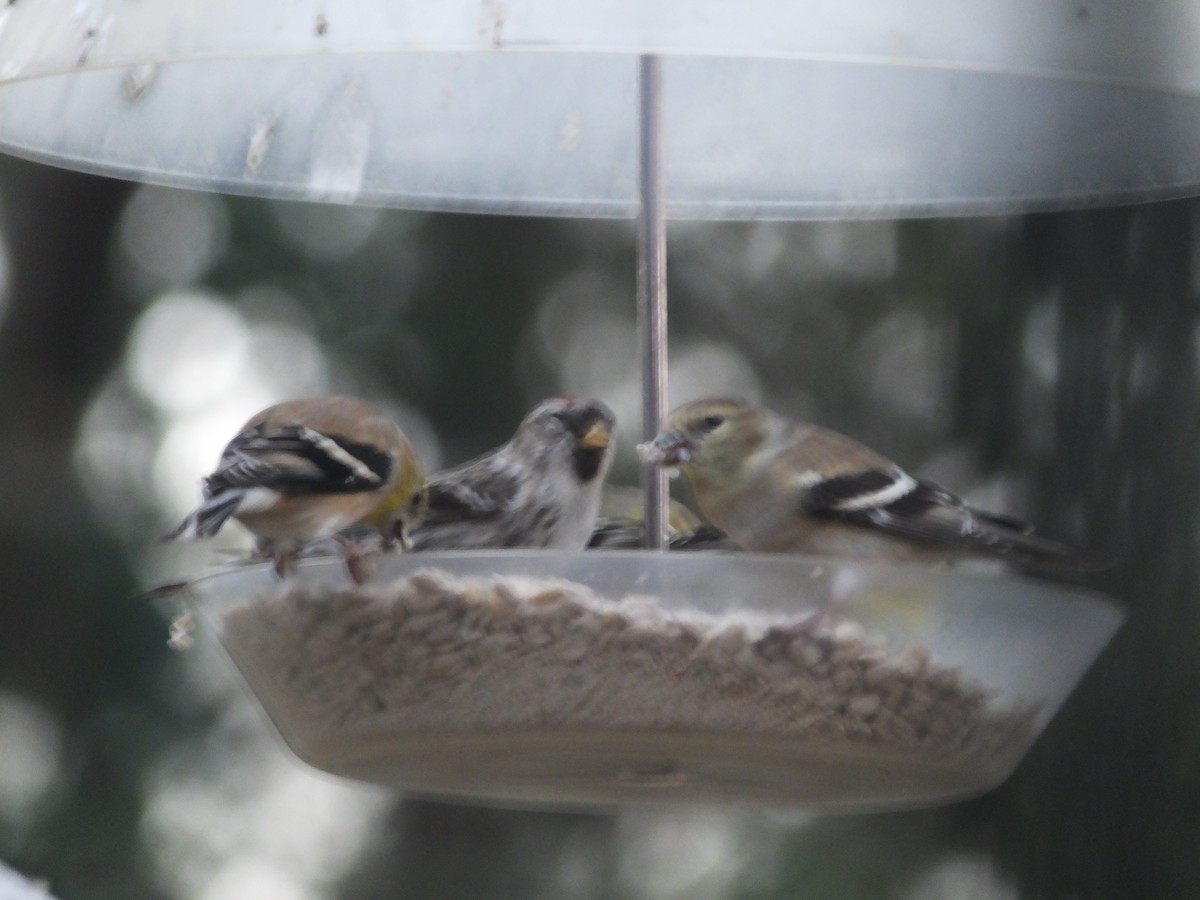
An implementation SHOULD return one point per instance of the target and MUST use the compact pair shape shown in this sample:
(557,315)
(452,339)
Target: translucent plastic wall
(771,110)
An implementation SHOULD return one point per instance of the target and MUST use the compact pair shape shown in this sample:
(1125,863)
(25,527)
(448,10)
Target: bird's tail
(1016,538)
(207,519)
(1011,535)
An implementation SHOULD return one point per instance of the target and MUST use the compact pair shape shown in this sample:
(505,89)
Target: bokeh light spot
(705,368)
(253,878)
(326,231)
(693,855)
(114,452)
(231,818)
(963,877)
(29,754)
(172,237)
(287,360)
(186,350)
(902,363)
(1039,344)
(858,251)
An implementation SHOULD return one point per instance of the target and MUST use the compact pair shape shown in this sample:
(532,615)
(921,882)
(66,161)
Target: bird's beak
(670,448)
(596,437)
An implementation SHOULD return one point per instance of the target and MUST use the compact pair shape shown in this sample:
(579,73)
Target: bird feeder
(609,677)
(647,676)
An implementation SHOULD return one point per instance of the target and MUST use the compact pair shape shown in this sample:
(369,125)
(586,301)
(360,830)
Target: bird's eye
(708,423)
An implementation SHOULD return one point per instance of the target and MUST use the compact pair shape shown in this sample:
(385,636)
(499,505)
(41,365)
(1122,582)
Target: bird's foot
(398,538)
(362,561)
(284,561)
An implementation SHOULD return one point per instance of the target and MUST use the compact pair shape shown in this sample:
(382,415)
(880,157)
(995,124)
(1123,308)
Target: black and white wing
(299,458)
(264,462)
(893,501)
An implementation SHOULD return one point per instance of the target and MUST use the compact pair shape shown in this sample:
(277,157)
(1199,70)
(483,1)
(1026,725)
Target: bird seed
(435,653)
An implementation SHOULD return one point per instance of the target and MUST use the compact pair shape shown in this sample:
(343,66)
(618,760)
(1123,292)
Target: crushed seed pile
(433,652)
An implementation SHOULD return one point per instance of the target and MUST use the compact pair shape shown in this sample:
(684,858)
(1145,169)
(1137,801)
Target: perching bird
(541,489)
(304,470)
(627,534)
(621,524)
(773,485)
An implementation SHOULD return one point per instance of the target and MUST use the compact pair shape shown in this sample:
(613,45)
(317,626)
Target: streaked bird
(541,489)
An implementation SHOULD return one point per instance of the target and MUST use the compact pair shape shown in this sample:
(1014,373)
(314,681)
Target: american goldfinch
(621,524)
(777,486)
(304,470)
(541,489)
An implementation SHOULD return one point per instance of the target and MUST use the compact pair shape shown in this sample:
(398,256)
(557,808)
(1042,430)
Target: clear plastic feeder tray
(601,678)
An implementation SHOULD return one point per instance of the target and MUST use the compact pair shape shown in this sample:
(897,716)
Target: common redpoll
(541,489)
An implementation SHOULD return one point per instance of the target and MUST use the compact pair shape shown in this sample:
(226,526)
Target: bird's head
(581,425)
(404,506)
(709,437)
